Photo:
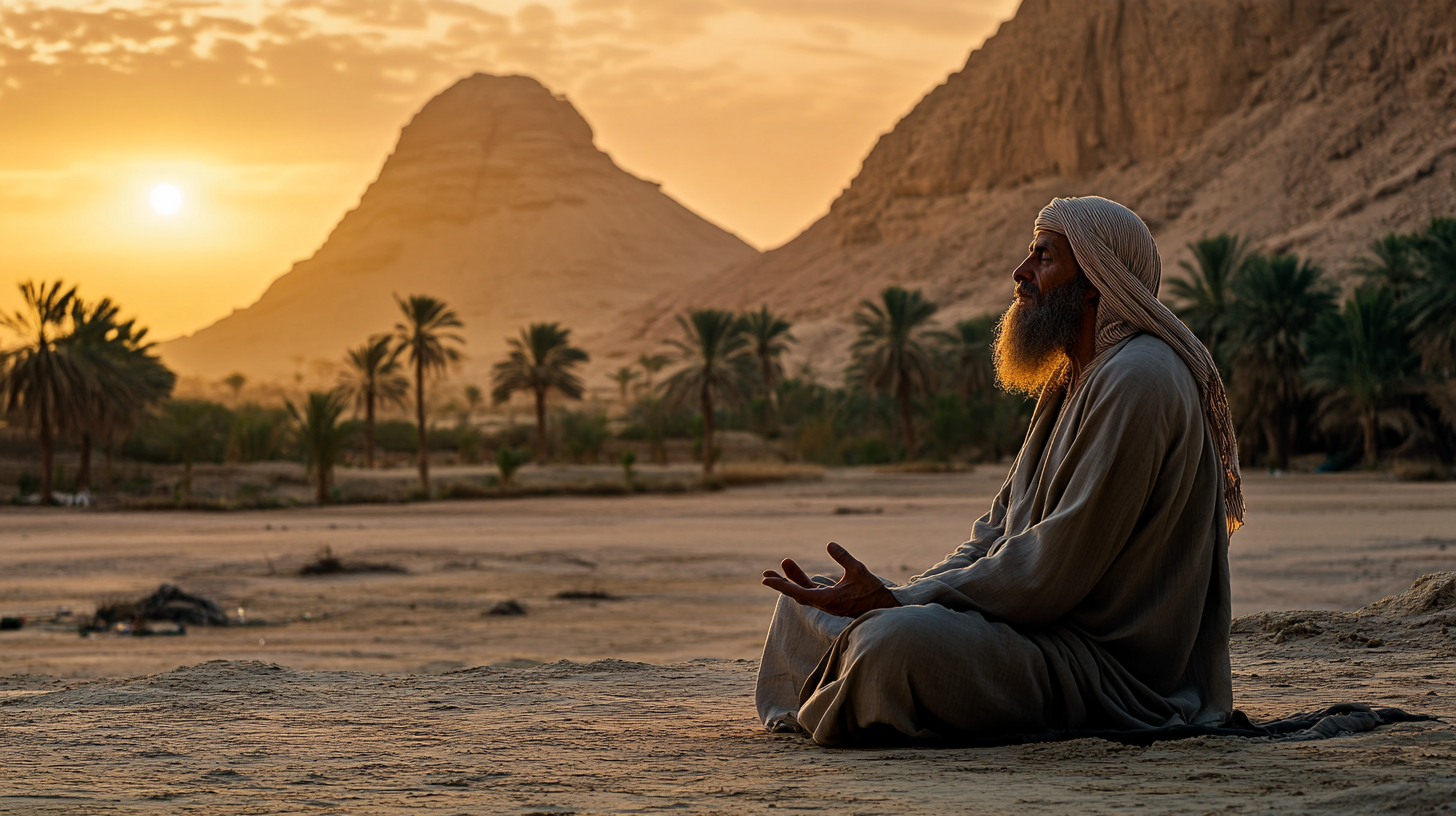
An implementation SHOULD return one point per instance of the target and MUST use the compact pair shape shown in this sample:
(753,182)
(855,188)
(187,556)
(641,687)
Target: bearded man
(1095,593)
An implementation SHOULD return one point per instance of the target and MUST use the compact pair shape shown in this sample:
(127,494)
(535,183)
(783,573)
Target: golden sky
(271,117)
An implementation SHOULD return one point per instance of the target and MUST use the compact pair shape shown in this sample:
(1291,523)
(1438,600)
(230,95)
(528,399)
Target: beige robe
(1093,595)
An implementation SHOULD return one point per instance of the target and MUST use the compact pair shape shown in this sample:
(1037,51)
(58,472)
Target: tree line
(80,371)
(1358,377)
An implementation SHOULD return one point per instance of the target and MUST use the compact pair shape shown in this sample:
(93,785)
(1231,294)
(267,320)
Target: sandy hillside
(1309,127)
(385,698)
(495,200)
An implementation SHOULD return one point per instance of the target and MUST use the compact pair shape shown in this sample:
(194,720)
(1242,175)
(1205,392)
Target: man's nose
(1023,273)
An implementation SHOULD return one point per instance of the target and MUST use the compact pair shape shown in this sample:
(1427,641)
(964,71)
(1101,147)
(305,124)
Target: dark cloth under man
(1095,593)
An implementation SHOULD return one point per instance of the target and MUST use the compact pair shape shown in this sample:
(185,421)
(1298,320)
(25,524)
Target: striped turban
(1117,252)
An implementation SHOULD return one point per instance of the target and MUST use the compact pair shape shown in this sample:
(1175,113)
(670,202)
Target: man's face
(1049,263)
(1045,319)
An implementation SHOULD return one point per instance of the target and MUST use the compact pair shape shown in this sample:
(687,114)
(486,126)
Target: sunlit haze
(178,157)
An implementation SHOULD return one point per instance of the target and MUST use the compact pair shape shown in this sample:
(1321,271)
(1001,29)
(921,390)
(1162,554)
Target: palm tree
(474,398)
(768,338)
(372,379)
(1393,264)
(118,379)
(541,361)
(1278,301)
(1433,298)
(319,435)
(1363,363)
(623,377)
(423,334)
(235,381)
(890,355)
(968,355)
(40,379)
(651,364)
(1207,293)
(715,360)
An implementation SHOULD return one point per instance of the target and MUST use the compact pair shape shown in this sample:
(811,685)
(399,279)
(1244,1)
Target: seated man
(1095,593)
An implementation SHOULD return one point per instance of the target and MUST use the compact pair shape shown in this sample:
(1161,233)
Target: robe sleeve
(1101,488)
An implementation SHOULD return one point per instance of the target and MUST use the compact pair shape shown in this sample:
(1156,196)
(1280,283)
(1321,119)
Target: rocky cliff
(496,201)
(1309,126)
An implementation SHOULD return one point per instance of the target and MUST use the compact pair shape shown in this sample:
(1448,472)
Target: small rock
(506,607)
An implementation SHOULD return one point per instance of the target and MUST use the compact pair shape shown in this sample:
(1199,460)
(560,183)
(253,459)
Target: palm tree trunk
(369,427)
(1372,450)
(187,479)
(106,461)
(1285,422)
(323,484)
(908,421)
(83,471)
(47,457)
(770,397)
(707,405)
(420,418)
(541,427)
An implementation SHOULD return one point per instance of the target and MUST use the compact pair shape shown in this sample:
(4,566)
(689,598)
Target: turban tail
(1117,252)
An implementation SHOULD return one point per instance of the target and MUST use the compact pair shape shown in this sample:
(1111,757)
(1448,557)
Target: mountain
(497,202)
(1309,126)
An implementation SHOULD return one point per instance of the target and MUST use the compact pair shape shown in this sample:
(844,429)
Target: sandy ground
(388,692)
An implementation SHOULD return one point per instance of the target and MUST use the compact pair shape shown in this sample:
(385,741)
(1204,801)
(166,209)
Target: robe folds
(1093,595)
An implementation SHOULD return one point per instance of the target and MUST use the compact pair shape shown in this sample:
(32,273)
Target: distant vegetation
(78,371)
(1364,378)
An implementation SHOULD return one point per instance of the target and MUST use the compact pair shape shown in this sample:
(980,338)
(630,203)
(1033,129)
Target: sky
(270,117)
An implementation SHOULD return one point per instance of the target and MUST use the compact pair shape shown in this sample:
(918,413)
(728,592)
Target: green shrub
(509,460)
(258,435)
(196,426)
(396,436)
(629,458)
(442,439)
(871,450)
(582,434)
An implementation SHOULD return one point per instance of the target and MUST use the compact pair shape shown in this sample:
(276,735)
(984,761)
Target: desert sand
(377,693)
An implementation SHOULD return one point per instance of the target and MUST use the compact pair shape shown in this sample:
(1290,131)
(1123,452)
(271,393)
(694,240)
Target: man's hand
(856,593)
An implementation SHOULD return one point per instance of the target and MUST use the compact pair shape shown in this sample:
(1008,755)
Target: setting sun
(166,199)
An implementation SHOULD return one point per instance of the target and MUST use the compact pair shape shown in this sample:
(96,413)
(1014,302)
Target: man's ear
(1092,294)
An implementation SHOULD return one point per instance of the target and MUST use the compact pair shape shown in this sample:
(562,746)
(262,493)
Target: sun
(166,199)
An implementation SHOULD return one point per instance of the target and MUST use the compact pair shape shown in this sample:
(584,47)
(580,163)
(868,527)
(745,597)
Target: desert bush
(509,460)
(198,426)
(396,436)
(582,434)
(258,435)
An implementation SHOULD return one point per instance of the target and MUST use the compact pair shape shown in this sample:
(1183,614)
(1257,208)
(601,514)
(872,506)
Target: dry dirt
(378,693)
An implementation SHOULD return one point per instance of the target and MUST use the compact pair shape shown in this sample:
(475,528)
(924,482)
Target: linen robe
(1093,595)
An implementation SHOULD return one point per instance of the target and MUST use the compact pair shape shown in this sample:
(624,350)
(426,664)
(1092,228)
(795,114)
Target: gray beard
(1032,338)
